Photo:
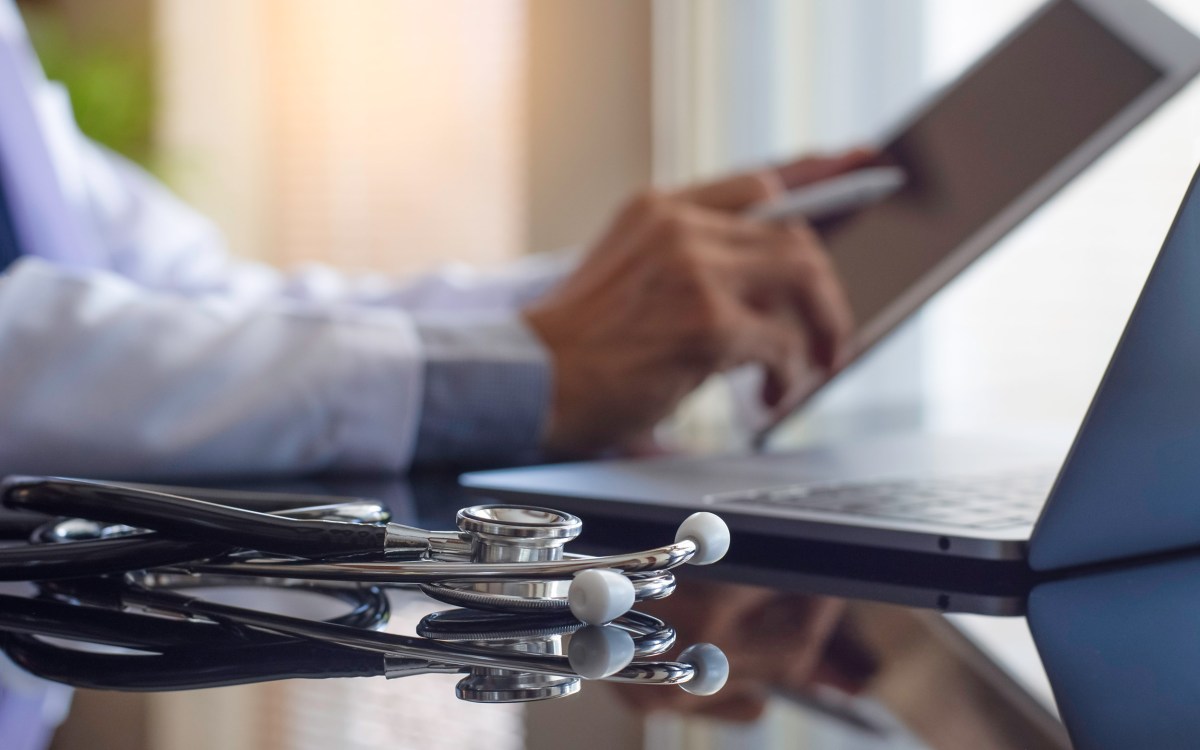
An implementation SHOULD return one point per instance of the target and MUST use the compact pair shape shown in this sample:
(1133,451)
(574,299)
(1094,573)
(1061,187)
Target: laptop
(1129,484)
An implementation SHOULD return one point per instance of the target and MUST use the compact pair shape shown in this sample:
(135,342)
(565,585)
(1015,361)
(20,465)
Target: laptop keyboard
(994,502)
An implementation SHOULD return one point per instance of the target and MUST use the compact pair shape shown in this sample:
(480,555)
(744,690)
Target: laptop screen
(1131,484)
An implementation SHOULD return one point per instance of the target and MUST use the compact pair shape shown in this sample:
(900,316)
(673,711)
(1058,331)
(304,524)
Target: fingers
(777,344)
(718,291)
(670,218)
(734,193)
(788,273)
(653,210)
(737,193)
(807,272)
(814,169)
(783,303)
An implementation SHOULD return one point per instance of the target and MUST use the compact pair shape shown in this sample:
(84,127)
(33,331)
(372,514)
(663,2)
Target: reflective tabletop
(809,647)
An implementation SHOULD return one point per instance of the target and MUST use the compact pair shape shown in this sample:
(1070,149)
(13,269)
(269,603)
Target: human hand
(679,287)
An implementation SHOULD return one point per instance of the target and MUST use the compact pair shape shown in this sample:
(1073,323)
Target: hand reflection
(775,642)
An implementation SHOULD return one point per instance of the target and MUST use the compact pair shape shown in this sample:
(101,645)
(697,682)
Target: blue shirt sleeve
(487,390)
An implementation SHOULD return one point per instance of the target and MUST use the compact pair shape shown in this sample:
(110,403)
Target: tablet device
(994,145)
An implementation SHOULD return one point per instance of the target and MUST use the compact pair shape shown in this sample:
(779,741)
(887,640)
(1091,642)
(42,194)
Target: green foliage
(110,81)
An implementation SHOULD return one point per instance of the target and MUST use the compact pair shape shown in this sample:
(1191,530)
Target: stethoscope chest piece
(529,534)
(517,533)
(511,534)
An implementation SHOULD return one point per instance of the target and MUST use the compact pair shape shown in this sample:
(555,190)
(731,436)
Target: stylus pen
(831,197)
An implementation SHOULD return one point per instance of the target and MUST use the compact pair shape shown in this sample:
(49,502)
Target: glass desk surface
(848,653)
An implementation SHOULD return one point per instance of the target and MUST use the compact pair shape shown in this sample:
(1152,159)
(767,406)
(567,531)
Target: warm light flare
(377,133)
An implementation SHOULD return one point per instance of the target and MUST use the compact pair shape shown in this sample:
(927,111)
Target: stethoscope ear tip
(711,668)
(596,652)
(597,596)
(710,535)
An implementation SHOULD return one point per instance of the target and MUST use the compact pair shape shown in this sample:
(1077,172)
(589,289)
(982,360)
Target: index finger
(735,193)
(791,262)
(816,168)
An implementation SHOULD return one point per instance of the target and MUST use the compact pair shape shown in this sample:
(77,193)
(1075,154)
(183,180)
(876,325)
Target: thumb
(735,193)
(817,168)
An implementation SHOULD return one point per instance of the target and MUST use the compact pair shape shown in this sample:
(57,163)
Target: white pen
(828,198)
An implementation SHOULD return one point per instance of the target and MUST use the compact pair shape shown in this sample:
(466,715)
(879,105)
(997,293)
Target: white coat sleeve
(100,376)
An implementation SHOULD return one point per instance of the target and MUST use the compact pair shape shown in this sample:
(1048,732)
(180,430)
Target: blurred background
(403,134)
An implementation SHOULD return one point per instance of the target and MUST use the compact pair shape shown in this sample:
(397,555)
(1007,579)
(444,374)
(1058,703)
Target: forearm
(453,289)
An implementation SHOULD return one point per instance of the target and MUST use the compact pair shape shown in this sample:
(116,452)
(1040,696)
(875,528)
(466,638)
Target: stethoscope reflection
(156,635)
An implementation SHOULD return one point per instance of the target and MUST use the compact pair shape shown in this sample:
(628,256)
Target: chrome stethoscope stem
(661,558)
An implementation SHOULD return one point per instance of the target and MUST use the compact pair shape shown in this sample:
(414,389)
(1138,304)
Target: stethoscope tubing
(51,560)
(192,519)
(47,562)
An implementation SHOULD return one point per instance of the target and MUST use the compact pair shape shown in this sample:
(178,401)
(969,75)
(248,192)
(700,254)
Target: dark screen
(989,138)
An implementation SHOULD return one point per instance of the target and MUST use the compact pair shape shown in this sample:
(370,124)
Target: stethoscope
(169,640)
(506,558)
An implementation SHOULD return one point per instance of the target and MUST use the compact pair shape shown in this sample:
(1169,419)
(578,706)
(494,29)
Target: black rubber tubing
(190,519)
(93,557)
